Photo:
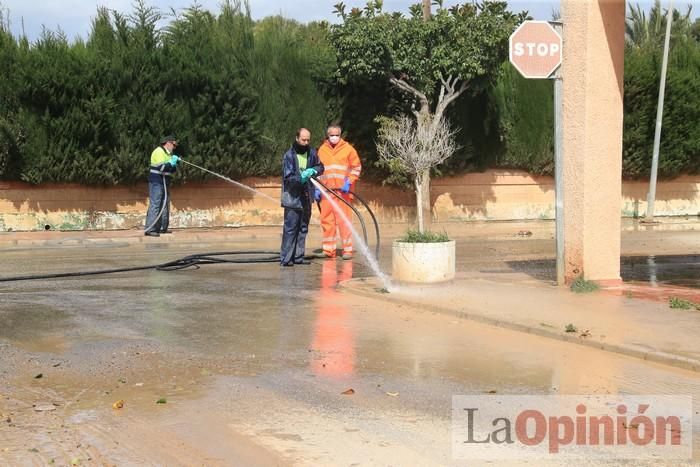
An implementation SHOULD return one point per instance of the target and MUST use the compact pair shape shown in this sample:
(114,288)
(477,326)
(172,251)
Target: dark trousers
(296,226)
(157,201)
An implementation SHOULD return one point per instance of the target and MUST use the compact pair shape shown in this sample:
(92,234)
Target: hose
(359,216)
(374,220)
(162,208)
(194,261)
(362,220)
(191,261)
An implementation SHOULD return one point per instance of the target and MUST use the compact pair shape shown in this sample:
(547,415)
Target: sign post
(535,50)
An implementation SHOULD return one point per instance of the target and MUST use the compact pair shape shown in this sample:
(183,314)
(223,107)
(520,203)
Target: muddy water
(252,362)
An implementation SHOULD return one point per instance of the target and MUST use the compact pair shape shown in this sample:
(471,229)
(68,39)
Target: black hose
(207,258)
(374,219)
(359,216)
(162,208)
(182,263)
(362,220)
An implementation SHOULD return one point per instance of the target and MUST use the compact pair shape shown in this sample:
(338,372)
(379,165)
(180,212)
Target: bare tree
(416,146)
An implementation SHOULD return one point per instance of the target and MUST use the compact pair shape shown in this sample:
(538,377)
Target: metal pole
(558,170)
(651,196)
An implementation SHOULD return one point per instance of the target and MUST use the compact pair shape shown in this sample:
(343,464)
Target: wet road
(679,270)
(253,361)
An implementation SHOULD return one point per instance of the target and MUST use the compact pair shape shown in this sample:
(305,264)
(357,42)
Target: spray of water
(239,184)
(364,249)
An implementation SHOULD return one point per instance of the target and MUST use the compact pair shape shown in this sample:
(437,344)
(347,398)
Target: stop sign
(535,49)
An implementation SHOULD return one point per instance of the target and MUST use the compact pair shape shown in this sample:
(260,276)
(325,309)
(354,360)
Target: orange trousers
(331,222)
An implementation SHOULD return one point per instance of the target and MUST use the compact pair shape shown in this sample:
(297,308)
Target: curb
(664,358)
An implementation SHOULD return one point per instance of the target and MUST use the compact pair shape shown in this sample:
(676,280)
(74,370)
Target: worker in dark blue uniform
(299,164)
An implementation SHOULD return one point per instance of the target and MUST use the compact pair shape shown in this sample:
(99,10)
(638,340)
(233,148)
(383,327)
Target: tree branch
(451,95)
(404,86)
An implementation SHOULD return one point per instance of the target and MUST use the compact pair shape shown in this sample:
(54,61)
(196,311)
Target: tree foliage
(435,61)
(648,31)
(680,136)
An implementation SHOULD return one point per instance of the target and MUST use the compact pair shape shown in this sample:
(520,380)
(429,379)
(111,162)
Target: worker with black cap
(163,166)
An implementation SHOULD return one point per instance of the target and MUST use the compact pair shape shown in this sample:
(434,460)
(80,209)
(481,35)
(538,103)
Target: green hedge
(680,136)
(91,112)
(234,90)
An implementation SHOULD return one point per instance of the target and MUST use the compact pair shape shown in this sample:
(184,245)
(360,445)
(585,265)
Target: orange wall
(495,194)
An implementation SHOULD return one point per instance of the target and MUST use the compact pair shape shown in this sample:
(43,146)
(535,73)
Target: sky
(74,16)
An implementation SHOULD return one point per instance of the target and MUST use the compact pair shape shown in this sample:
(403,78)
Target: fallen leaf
(162,400)
(40,375)
(118,405)
(348,392)
(492,391)
(392,394)
(44,407)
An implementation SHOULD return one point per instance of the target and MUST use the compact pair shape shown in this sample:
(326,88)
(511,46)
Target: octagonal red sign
(535,49)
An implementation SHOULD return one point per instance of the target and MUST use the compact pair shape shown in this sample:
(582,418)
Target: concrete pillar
(592,136)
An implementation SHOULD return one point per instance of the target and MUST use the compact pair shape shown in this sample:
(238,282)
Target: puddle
(676,270)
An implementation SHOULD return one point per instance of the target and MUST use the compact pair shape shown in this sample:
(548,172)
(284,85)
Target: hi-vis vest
(339,162)
(160,162)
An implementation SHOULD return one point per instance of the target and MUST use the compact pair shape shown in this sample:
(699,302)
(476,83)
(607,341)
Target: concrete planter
(423,262)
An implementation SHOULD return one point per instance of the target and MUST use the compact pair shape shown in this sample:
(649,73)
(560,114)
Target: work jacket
(297,195)
(160,165)
(340,162)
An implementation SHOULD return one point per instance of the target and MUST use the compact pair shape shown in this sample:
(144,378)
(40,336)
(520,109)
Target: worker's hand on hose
(317,195)
(307,174)
(313,172)
(346,186)
(174,159)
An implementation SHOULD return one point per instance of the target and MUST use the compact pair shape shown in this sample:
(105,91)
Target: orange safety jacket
(339,162)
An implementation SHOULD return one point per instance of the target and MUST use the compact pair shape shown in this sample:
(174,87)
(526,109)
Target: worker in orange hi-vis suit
(342,169)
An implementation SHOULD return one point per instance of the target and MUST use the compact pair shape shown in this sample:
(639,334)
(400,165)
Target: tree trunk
(419,204)
(426,10)
(423,201)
